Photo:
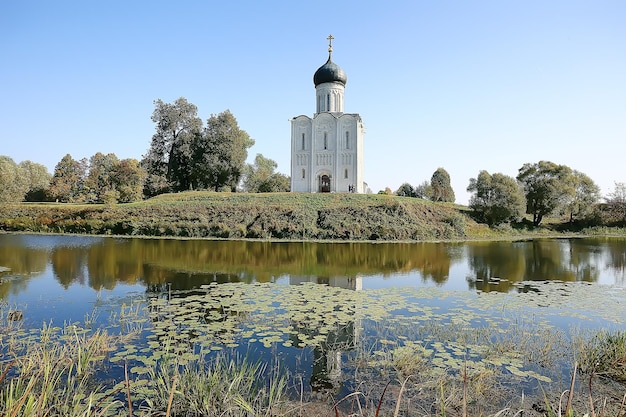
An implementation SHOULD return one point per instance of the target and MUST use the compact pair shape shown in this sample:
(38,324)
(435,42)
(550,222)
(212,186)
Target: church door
(325,184)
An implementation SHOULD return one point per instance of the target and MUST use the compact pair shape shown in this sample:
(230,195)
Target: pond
(332,314)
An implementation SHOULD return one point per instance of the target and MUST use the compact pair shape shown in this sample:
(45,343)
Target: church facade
(327,150)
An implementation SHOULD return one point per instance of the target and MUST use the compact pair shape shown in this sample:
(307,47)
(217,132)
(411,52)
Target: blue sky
(463,85)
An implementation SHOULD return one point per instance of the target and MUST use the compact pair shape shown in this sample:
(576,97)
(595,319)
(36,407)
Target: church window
(325,140)
(303,141)
(303,173)
(347,140)
(327,102)
(345,173)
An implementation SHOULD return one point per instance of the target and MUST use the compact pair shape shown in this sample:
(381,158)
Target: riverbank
(287,216)
(280,216)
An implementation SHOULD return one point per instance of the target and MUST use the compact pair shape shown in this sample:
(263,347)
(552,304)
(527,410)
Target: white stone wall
(333,146)
(329,97)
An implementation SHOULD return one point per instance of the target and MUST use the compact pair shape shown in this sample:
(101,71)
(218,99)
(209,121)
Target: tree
(423,190)
(260,177)
(276,183)
(13,184)
(99,181)
(168,161)
(406,190)
(37,178)
(220,154)
(440,186)
(586,195)
(497,198)
(547,187)
(68,181)
(128,178)
(616,204)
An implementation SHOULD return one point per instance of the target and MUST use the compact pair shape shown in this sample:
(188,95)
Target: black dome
(329,73)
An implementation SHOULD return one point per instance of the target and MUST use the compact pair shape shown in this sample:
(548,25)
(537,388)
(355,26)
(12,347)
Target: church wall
(301,154)
(329,97)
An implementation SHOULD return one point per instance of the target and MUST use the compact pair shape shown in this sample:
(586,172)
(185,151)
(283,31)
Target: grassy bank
(288,216)
(282,216)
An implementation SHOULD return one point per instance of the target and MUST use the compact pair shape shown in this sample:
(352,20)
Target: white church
(327,150)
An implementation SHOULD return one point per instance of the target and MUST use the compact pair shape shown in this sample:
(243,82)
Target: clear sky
(463,85)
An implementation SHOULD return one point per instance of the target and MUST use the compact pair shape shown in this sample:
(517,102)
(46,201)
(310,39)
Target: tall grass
(58,372)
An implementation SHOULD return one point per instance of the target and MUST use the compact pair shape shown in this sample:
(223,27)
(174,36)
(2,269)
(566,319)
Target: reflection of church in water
(327,150)
(328,357)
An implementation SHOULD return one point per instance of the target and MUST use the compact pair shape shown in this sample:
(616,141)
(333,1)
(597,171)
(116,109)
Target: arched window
(347,140)
(303,141)
(345,173)
(325,140)
(327,102)
(303,173)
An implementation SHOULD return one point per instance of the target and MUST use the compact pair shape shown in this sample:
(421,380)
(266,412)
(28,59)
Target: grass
(277,216)
(290,216)
(55,373)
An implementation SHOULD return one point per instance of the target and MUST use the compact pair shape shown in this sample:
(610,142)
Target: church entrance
(324,184)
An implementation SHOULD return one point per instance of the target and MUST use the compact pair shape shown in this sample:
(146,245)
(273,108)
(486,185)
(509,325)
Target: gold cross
(330,43)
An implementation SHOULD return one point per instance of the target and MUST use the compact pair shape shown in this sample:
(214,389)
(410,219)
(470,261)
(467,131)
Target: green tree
(586,195)
(496,198)
(406,190)
(37,178)
(276,183)
(440,186)
(548,187)
(423,190)
(220,154)
(168,161)
(260,177)
(99,181)
(68,181)
(13,184)
(616,205)
(128,178)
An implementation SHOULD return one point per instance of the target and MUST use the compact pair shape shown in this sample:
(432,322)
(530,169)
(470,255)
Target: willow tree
(13,186)
(548,188)
(37,179)
(496,198)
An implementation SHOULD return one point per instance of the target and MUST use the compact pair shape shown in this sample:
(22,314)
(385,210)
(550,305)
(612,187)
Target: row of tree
(101,179)
(183,155)
(26,181)
(540,189)
(438,189)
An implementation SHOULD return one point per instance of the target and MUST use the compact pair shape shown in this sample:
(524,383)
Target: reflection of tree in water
(103,262)
(19,262)
(583,259)
(497,266)
(158,261)
(616,259)
(68,265)
(433,260)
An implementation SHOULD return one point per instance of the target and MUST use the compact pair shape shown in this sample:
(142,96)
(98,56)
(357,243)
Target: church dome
(329,73)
